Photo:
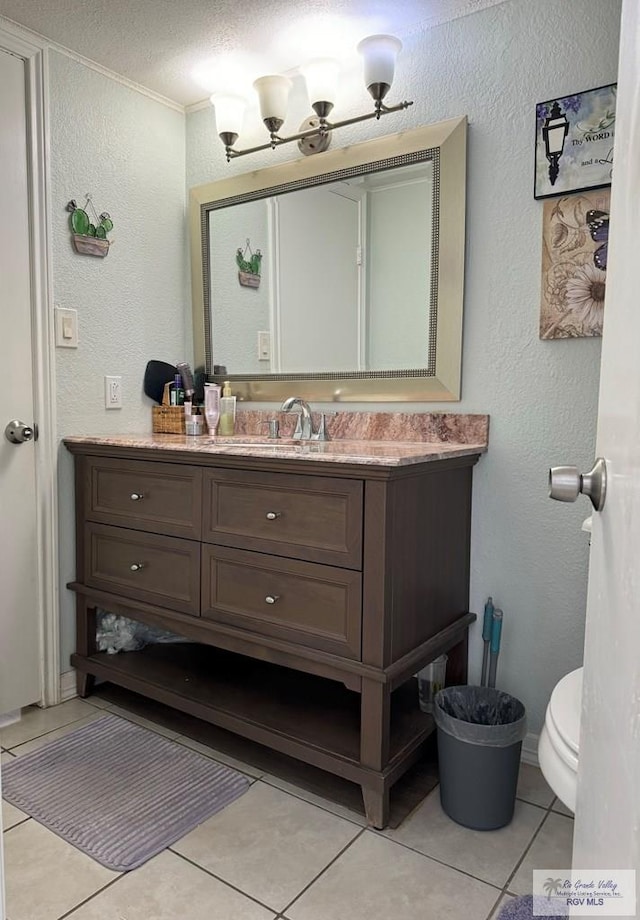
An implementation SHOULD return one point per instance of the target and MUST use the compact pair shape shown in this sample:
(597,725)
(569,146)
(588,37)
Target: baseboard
(530,749)
(68,686)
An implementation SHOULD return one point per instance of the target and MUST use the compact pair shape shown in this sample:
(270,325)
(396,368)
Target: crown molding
(41,41)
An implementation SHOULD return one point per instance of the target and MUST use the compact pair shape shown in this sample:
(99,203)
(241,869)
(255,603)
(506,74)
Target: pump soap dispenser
(227,411)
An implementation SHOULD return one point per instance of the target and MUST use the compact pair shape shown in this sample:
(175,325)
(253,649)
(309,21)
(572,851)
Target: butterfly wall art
(575,234)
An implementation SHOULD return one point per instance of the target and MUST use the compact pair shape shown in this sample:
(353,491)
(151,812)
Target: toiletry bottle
(212,406)
(227,411)
(177,393)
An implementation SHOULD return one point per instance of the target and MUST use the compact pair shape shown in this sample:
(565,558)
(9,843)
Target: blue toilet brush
(496,633)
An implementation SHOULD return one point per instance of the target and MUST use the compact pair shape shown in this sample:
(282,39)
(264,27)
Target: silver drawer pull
(272,598)
(272,515)
(136,496)
(137,566)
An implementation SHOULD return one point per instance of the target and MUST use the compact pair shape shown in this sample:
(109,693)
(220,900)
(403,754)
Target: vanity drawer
(313,605)
(158,497)
(314,518)
(156,569)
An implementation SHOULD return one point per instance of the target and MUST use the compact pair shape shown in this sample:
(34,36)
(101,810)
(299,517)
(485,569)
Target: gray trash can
(480,732)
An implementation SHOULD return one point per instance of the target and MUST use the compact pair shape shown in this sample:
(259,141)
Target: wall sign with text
(574,142)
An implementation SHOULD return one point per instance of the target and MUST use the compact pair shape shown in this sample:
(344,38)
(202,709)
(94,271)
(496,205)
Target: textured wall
(494,66)
(128,151)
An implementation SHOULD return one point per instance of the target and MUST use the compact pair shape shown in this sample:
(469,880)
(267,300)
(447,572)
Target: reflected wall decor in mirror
(360,288)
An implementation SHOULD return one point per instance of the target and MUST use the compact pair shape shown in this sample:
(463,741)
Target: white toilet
(559,745)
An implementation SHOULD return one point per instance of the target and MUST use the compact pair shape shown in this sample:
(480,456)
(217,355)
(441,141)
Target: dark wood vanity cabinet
(311,592)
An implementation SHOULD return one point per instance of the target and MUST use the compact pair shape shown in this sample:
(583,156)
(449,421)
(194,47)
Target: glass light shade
(379,53)
(556,133)
(230,111)
(273,93)
(321,77)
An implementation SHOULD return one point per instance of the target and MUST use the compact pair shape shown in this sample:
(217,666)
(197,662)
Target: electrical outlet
(113,392)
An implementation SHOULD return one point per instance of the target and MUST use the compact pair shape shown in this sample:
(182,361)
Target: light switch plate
(264,346)
(66,323)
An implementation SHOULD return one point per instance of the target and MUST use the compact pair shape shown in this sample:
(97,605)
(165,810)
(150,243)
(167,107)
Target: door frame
(34,52)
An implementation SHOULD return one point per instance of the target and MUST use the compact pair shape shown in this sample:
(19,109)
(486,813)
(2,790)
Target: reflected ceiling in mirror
(359,292)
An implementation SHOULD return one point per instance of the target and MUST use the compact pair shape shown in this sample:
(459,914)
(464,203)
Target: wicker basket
(168,419)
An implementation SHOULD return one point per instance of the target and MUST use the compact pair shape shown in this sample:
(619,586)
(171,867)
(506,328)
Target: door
(607,827)
(318,234)
(20,641)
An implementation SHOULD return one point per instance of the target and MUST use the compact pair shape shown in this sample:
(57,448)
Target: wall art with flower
(575,233)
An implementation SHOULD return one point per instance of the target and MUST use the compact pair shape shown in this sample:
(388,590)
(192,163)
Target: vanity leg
(375,730)
(84,683)
(375,724)
(85,643)
(376,805)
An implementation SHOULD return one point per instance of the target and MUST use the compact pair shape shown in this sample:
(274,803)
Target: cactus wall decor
(248,263)
(89,238)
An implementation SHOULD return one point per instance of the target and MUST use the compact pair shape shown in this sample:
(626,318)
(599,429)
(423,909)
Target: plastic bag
(480,715)
(119,634)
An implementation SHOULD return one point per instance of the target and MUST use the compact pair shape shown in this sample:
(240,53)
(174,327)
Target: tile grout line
(549,811)
(322,871)
(493,909)
(48,732)
(218,879)
(502,888)
(526,851)
(308,802)
(80,904)
(435,859)
(19,824)
(24,820)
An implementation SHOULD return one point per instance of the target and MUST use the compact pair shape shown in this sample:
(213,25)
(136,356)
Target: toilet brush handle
(496,631)
(496,634)
(485,664)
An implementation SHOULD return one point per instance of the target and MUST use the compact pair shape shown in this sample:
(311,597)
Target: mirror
(338,276)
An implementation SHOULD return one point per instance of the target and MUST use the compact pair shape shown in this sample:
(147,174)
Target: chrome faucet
(304,426)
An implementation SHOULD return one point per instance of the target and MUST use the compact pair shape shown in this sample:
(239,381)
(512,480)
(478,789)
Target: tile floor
(280,852)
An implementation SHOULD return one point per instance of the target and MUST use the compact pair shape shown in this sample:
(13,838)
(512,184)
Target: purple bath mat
(523,909)
(119,792)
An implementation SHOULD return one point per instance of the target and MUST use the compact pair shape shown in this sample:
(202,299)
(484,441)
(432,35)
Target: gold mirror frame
(443,143)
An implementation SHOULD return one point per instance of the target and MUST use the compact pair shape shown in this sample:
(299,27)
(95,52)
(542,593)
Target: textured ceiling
(159,43)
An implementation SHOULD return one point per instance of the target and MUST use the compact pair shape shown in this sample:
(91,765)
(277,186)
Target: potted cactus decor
(89,237)
(248,263)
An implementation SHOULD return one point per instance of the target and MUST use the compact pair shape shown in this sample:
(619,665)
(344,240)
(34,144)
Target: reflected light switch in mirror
(66,322)
(264,346)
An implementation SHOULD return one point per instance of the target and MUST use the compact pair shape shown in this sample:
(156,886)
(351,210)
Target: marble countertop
(363,452)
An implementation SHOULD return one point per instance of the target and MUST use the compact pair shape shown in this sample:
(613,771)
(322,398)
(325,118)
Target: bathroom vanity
(311,580)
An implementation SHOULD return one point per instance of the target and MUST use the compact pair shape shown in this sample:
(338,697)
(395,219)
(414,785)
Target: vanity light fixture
(554,132)
(321,76)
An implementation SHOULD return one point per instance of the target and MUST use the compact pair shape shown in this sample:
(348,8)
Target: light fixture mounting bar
(324,127)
